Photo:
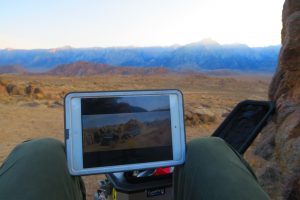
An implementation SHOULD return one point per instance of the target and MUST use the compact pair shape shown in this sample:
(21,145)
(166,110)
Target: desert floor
(40,114)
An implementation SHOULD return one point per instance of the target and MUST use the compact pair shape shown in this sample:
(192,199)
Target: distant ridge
(13,69)
(89,69)
(199,56)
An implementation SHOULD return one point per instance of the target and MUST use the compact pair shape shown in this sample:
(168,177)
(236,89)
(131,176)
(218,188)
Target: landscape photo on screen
(121,123)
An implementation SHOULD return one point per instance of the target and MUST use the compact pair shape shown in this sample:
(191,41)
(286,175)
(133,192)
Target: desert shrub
(48,96)
(62,94)
(56,104)
(39,96)
(37,90)
(31,104)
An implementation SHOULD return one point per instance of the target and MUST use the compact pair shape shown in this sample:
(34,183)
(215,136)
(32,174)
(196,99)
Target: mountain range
(201,56)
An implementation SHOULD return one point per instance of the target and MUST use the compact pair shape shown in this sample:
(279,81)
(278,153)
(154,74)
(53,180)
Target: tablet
(123,130)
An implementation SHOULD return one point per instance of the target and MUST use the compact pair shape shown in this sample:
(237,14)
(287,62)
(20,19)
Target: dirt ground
(40,114)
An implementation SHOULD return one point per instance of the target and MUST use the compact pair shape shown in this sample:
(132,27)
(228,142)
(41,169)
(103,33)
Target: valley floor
(39,113)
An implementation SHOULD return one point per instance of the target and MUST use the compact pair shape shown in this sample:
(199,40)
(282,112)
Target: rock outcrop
(279,145)
(91,69)
(38,93)
(12,89)
(2,88)
(198,115)
(13,69)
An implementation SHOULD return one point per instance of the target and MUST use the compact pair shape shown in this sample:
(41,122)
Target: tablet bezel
(73,130)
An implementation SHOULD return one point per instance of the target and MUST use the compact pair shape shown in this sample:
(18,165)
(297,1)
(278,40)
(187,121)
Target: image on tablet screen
(126,126)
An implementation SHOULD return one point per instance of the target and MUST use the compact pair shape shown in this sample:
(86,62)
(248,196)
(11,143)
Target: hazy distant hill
(88,68)
(204,55)
(12,69)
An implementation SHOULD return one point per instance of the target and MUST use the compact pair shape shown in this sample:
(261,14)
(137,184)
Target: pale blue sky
(31,24)
(149,103)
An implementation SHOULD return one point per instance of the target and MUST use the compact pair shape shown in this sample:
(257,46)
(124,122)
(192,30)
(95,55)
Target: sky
(149,103)
(31,24)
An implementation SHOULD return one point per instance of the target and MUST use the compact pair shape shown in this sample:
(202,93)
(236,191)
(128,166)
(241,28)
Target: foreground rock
(280,141)
(2,88)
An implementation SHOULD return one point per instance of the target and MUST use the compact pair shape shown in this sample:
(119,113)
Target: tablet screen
(126,130)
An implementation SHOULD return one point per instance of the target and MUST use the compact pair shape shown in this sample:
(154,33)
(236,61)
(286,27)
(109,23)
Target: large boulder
(12,89)
(279,144)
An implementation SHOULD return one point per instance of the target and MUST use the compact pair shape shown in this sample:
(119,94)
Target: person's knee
(206,148)
(42,166)
(46,143)
(32,155)
(42,144)
(39,148)
(206,143)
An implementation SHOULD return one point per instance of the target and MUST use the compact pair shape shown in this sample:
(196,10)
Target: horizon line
(63,47)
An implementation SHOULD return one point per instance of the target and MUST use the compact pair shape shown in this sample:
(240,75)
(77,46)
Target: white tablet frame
(73,131)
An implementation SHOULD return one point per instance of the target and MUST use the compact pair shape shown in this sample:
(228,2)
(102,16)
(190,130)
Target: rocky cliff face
(279,146)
